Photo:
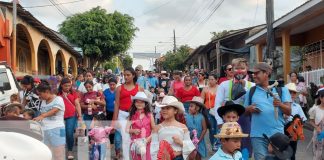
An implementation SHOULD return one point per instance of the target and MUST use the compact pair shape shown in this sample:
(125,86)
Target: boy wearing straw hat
(230,136)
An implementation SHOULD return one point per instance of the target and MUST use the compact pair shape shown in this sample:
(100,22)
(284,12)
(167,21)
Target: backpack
(294,129)
(252,90)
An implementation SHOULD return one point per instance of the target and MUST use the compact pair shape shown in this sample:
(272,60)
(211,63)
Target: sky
(193,20)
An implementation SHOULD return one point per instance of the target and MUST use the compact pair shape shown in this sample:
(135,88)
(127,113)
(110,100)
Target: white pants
(122,121)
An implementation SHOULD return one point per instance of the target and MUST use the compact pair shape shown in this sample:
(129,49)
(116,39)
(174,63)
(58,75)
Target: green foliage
(101,35)
(216,35)
(175,61)
(127,61)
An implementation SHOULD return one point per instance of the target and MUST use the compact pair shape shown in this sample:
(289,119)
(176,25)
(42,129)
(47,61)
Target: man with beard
(234,90)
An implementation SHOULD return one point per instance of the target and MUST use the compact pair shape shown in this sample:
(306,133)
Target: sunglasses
(229,69)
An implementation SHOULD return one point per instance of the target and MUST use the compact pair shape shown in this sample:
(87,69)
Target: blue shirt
(153,82)
(220,155)
(296,109)
(142,82)
(110,100)
(265,121)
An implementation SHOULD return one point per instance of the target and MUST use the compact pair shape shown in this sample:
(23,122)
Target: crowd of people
(147,115)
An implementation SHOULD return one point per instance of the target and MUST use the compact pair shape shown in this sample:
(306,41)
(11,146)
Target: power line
(203,22)
(255,13)
(58,8)
(154,9)
(51,5)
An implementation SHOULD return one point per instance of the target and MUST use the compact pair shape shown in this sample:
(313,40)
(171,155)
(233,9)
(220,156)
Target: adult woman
(293,77)
(187,92)
(209,96)
(105,84)
(52,120)
(89,77)
(72,112)
(177,83)
(92,102)
(202,82)
(28,96)
(122,105)
(226,73)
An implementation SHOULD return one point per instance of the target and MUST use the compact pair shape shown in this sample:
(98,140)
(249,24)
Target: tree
(101,35)
(216,35)
(127,61)
(175,61)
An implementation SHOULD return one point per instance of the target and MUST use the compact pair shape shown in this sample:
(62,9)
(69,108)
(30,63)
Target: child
(14,98)
(196,123)
(230,137)
(171,139)
(139,126)
(316,116)
(157,110)
(99,135)
(230,112)
(28,114)
(296,110)
(278,148)
(152,90)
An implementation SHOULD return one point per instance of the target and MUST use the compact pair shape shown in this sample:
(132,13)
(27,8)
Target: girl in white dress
(171,139)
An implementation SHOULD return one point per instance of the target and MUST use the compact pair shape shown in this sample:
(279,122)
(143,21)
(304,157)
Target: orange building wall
(4,41)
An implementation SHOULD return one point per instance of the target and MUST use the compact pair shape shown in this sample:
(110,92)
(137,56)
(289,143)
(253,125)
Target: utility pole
(174,42)
(14,35)
(218,61)
(270,32)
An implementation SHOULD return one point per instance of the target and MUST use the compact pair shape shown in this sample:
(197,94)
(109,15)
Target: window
(4,80)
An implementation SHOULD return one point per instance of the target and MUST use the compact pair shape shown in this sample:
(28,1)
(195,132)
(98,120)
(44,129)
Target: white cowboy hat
(172,101)
(292,87)
(164,72)
(141,96)
(20,147)
(198,100)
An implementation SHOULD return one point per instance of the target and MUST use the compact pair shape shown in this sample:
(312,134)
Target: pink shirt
(99,134)
(143,124)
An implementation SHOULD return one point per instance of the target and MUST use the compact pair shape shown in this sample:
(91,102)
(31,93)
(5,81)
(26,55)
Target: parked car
(8,84)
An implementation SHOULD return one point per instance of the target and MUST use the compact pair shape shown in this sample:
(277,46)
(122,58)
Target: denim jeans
(70,125)
(212,129)
(101,149)
(118,140)
(260,147)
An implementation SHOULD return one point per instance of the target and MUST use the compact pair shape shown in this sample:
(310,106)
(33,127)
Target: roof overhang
(305,11)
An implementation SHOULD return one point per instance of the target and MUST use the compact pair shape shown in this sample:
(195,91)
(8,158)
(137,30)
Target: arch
(24,50)
(45,63)
(60,63)
(73,66)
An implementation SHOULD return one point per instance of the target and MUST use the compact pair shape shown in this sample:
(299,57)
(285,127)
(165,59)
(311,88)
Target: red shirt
(92,96)
(222,79)
(187,95)
(69,102)
(125,100)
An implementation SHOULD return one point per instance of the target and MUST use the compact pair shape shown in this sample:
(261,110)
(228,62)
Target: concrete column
(199,61)
(286,53)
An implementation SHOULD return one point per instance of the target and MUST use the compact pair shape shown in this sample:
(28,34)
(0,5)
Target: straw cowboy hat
(141,96)
(230,105)
(292,87)
(13,146)
(231,130)
(172,101)
(164,72)
(198,101)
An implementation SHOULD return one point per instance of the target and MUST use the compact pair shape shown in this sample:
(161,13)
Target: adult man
(141,80)
(266,109)
(234,90)
(153,81)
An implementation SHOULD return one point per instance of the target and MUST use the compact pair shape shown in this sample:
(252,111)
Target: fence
(313,76)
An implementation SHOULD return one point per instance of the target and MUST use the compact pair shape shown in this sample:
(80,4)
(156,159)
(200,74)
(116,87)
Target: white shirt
(316,113)
(96,87)
(56,120)
(222,96)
